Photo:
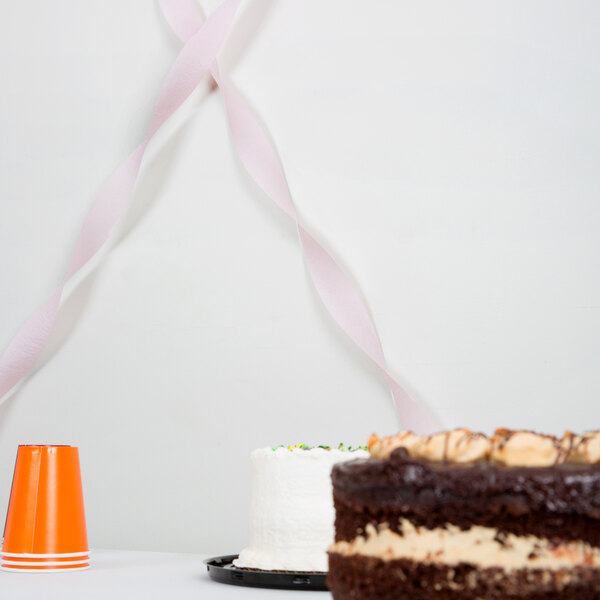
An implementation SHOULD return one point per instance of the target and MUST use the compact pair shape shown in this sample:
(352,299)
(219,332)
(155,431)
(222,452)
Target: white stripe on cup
(41,563)
(28,555)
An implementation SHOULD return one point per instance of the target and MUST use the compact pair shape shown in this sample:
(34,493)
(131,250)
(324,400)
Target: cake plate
(222,569)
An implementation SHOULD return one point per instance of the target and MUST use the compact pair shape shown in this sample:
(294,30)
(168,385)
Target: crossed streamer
(202,41)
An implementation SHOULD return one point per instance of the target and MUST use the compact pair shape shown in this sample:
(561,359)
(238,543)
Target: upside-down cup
(45,525)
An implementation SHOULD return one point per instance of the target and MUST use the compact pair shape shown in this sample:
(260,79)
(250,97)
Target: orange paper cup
(45,525)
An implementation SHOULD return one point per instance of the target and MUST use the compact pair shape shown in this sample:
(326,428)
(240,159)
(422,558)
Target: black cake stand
(222,569)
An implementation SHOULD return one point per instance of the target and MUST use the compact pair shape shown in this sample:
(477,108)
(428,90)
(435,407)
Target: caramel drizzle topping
(567,448)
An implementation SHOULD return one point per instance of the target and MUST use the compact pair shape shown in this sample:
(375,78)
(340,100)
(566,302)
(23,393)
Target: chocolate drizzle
(446,442)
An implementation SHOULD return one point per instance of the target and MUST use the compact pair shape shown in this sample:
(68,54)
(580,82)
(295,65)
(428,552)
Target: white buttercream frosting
(292,514)
(480,546)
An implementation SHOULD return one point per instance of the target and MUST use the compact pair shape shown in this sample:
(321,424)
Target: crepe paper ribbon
(336,289)
(190,66)
(338,293)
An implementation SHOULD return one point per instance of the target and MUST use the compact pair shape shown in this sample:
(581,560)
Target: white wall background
(447,152)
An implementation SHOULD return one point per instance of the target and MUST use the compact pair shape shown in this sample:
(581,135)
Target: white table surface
(148,575)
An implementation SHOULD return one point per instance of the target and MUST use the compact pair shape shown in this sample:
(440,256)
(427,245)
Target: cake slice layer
(560,502)
(358,577)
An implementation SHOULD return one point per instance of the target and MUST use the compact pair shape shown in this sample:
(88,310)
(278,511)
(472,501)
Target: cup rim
(45,446)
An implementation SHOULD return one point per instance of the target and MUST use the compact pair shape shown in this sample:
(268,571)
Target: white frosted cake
(291,514)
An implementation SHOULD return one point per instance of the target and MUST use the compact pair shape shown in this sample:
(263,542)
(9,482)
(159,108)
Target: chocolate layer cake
(458,515)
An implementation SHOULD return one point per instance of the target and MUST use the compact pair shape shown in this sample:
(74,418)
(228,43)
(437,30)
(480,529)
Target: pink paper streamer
(190,66)
(337,291)
(340,296)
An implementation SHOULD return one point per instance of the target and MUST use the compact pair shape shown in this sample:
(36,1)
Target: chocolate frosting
(561,501)
(566,487)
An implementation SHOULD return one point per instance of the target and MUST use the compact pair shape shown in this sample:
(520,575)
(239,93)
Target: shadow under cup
(45,524)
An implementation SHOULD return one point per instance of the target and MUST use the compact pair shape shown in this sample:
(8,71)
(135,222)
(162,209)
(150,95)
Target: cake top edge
(511,448)
(341,447)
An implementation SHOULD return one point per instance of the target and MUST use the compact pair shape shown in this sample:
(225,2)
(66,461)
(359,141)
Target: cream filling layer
(480,546)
